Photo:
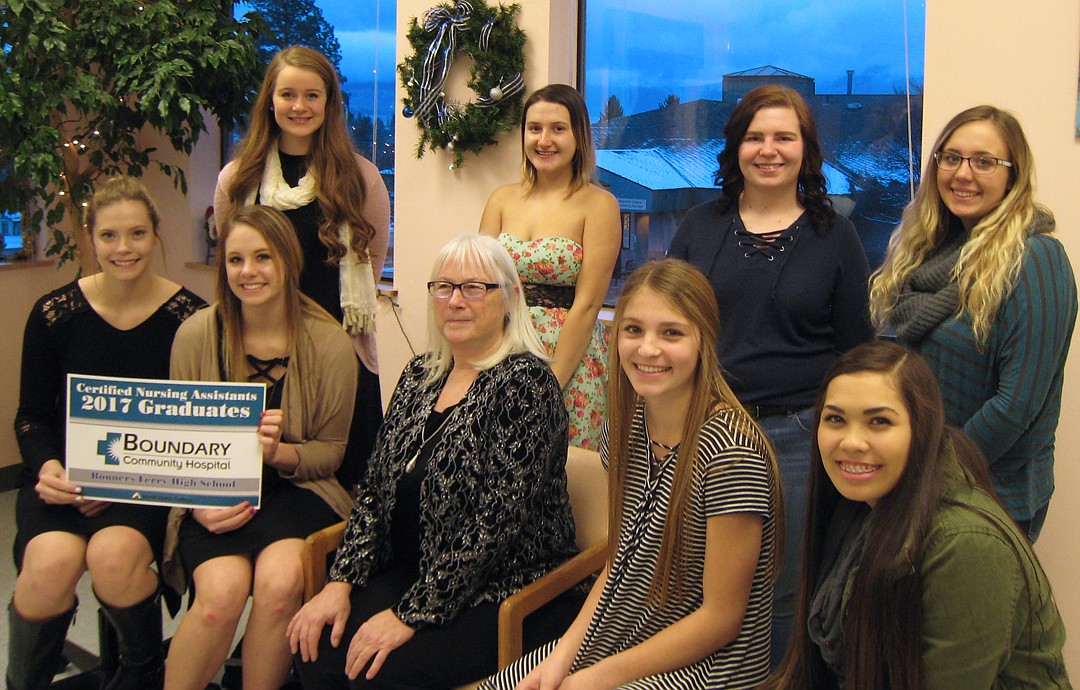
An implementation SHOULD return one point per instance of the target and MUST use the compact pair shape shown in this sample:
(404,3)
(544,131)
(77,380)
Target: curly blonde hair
(991,258)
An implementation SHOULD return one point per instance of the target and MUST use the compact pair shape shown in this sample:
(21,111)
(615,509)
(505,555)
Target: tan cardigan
(322,374)
(376,212)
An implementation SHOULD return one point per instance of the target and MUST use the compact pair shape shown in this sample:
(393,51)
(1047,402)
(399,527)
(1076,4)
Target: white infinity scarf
(357,284)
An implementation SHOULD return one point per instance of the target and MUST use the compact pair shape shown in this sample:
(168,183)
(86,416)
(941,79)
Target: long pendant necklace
(411,465)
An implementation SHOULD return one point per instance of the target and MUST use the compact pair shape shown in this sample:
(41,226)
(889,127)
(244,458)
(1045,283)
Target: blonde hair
(991,258)
(340,188)
(689,292)
(122,188)
(488,256)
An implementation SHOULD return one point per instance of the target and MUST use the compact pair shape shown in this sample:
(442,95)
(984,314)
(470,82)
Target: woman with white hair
(464,501)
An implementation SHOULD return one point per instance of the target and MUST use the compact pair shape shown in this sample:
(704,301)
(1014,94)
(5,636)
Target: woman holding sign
(261,330)
(119,322)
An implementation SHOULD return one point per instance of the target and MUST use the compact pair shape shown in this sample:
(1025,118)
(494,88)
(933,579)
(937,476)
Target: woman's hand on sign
(53,487)
(222,520)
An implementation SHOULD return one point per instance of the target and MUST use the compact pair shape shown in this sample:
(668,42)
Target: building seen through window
(661,80)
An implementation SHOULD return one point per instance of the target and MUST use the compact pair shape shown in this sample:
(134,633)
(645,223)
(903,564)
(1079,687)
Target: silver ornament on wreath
(491,38)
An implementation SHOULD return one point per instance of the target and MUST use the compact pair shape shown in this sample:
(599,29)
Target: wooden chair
(587,485)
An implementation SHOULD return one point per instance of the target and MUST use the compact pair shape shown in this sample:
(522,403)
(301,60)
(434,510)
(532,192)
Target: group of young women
(756,437)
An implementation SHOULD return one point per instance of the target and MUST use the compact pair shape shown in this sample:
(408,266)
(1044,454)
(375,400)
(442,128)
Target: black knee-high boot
(138,627)
(35,650)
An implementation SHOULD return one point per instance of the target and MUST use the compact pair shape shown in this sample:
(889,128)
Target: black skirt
(33,517)
(287,512)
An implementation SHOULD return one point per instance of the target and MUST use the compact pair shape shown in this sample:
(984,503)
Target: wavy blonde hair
(991,258)
(689,292)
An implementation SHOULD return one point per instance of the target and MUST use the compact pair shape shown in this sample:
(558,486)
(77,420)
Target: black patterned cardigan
(495,514)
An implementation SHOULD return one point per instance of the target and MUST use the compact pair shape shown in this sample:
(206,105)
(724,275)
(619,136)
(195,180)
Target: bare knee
(279,590)
(52,564)
(117,555)
(220,601)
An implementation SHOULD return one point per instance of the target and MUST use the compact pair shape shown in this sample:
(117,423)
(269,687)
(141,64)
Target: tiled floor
(83,633)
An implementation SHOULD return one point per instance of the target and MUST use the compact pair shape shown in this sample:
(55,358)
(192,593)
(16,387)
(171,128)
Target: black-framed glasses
(980,165)
(473,289)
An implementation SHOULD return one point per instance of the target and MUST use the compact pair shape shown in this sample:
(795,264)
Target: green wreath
(497,46)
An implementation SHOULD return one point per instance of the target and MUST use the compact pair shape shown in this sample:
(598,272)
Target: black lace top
(65,335)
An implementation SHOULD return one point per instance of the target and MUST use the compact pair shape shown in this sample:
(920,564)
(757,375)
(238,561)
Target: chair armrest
(317,547)
(528,599)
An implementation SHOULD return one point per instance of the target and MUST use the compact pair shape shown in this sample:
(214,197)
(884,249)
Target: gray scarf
(843,550)
(929,295)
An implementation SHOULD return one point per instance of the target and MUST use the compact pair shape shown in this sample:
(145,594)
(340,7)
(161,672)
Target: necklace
(424,439)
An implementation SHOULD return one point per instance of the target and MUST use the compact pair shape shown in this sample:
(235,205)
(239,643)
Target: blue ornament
(407,111)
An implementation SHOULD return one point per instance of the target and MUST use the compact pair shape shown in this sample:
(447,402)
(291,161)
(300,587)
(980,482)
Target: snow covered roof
(686,166)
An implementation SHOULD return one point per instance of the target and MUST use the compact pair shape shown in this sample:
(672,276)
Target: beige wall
(1023,56)
(434,203)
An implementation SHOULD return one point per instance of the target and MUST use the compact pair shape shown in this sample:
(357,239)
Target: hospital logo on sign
(110,448)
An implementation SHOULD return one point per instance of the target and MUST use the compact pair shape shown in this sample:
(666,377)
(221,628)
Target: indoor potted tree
(79,82)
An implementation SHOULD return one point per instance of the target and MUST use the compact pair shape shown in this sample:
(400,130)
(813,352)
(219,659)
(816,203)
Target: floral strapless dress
(549,267)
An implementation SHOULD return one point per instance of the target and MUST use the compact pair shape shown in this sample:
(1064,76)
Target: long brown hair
(883,615)
(811,192)
(340,189)
(689,292)
(288,258)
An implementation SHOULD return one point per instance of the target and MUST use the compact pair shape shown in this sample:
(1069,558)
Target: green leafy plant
(82,82)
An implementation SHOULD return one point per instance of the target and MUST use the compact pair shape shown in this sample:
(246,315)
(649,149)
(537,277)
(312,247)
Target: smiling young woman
(297,157)
(914,575)
(695,511)
(789,276)
(262,329)
(119,322)
(563,232)
(972,277)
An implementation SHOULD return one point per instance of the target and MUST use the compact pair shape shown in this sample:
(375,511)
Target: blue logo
(110,448)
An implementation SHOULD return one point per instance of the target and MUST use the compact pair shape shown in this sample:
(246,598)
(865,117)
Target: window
(10,227)
(359,38)
(661,80)
(10,221)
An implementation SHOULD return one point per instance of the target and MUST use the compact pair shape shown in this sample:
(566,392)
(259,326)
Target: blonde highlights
(993,253)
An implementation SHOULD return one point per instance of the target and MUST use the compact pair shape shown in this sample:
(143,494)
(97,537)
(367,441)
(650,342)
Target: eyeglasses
(980,165)
(444,289)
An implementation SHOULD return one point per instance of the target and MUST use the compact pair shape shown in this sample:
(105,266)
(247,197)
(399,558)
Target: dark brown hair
(811,191)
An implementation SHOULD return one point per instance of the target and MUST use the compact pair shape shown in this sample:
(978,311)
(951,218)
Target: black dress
(65,335)
(286,511)
(321,282)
